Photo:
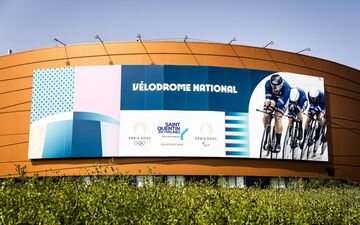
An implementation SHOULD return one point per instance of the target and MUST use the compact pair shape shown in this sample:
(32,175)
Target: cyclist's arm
(314,109)
(303,103)
(268,97)
(322,103)
(268,93)
(283,99)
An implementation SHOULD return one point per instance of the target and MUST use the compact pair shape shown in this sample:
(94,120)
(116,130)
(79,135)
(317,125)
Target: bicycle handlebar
(272,114)
(310,116)
(264,111)
(294,118)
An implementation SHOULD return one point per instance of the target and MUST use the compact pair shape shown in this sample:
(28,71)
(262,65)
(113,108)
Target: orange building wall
(342,85)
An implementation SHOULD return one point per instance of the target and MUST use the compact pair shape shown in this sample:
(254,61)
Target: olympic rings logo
(139,143)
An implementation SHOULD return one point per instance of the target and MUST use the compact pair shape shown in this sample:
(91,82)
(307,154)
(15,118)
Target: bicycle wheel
(264,146)
(303,145)
(308,150)
(306,145)
(310,145)
(324,136)
(324,146)
(287,141)
(293,141)
(273,143)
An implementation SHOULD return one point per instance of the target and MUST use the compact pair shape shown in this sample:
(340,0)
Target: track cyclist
(317,107)
(297,105)
(277,93)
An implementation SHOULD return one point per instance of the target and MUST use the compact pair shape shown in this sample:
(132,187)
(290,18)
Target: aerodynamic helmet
(294,95)
(314,93)
(276,82)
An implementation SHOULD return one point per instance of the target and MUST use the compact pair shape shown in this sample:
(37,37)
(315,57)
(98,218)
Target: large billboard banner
(176,111)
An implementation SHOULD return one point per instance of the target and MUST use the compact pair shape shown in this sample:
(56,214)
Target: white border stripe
(236,141)
(236,125)
(236,118)
(234,133)
(237,149)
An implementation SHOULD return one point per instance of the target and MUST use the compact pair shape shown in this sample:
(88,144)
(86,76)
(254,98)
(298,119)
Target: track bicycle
(324,139)
(268,140)
(291,141)
(309,140)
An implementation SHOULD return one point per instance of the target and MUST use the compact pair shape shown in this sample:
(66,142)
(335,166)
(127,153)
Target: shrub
(116,200)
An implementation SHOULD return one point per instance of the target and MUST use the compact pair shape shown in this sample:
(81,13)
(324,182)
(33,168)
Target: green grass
(114,200)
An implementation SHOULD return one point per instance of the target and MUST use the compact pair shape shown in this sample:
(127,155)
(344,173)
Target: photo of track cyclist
(317,108)
(298,103)
(277,93)
(287,95)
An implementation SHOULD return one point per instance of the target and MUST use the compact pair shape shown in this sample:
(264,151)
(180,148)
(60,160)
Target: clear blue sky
(330,28)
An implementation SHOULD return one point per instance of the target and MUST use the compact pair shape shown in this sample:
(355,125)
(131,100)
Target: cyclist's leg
(308,121)
(321,117)
(321,121)
(321,124)
(278,126)
(278,123)
(291,114)
(324,134)
(289,121)
(300,117)
(307,126)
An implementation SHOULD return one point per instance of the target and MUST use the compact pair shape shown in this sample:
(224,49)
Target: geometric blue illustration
(237,142)
(86,140)
(58,140)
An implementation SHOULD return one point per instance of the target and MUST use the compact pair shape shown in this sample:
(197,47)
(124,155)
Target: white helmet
(294,95)
(314,93)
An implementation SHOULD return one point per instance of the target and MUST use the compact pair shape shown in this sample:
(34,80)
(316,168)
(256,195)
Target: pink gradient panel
(97,90)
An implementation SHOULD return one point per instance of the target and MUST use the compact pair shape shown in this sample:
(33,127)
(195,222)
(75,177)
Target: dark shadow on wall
(289,165)
(329,134)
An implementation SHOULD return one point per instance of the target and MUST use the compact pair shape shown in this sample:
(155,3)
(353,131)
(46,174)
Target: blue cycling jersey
(302,101)
(281,97)
(319,103)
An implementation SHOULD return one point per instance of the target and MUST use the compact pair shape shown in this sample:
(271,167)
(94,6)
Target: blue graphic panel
(75,138)
(86,139)
(237,141)
(197,100)
(94,117)
(243,80)
(175,100)
(58,140)
(244,154)
(141,100)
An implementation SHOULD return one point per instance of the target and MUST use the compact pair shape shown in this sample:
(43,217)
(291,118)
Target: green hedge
(114,200)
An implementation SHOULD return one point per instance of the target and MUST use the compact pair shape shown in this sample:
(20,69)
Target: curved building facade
(18,93)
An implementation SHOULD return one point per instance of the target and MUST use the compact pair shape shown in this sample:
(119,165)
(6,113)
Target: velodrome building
(178,109)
